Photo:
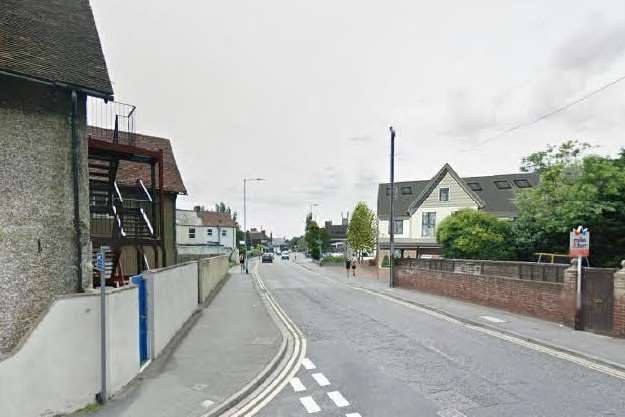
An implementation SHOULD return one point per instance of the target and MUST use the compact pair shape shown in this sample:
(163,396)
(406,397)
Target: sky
(302,93)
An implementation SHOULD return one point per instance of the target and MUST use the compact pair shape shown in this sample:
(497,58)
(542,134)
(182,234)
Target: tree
(361,229)
(574,190)
(223,208)
(472,234)
(569,152)
(312,238)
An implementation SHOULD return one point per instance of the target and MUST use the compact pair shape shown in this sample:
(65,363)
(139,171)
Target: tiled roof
(214,218)
(499,202)
(54,41)
(128,172)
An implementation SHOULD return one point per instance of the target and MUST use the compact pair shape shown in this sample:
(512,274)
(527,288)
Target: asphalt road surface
(371,357)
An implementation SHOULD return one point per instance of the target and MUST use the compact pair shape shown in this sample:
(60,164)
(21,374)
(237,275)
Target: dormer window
(522,183)
(502,185)
(475,186)
(406,190)
(443,194)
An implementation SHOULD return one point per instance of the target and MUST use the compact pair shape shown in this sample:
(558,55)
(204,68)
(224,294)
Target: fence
(521,270)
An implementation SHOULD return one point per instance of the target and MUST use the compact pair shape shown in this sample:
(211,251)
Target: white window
(428,224)
(443,194)
(191,233)
(399,227)
(209,232)
(224,232)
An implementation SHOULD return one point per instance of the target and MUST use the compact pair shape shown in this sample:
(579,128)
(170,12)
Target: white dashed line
(297,385)
(310,405)
(353,415)
(338,399)
(308,364)
(321,379)
(450,412)
(207,403)
(493,319)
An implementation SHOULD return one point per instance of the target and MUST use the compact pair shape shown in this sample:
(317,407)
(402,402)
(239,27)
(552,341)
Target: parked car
(267,257)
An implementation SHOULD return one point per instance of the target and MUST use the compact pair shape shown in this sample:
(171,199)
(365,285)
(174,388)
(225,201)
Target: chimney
(328,223)
(345,219)
(197,209)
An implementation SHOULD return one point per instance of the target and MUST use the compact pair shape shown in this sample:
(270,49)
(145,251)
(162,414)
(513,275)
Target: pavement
(606,349)
(371,354)
(233,340)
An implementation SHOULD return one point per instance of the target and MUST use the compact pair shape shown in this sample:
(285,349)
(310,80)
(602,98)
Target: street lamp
(391,240)
(245,181)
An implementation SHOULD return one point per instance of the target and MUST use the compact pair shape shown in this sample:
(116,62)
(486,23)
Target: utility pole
(391,284)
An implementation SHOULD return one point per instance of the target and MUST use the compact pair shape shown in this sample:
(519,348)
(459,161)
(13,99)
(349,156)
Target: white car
(285,255)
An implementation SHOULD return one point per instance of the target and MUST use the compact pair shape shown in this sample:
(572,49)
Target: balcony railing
(111,121)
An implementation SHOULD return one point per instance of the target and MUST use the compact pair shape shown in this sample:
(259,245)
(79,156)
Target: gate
(139,281)
(597,299)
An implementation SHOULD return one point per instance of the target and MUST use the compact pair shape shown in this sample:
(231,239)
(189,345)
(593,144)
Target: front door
(139,281)
(597,299)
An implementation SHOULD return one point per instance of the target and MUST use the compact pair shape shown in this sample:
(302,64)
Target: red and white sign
(579,242)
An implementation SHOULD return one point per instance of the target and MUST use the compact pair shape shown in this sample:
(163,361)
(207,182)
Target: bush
(386,263)
(471,234)
(332,260)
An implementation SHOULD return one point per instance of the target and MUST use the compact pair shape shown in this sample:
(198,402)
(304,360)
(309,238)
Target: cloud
(467,117)
(361,139)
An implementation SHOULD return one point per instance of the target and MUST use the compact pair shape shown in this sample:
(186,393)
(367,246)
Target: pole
(103,394)
(578,296)
(245,224)
(392,216)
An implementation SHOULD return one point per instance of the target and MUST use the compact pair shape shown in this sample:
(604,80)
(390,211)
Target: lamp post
(245,181)
(391,240)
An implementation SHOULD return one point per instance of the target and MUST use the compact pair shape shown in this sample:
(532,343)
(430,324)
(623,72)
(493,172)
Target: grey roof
(54,41)
(496,201)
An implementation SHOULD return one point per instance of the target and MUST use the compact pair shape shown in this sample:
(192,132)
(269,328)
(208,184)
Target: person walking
(242,261)
(354,267)
(348,262)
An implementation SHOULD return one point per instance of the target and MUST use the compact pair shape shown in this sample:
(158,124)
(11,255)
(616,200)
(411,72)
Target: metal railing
(111,121)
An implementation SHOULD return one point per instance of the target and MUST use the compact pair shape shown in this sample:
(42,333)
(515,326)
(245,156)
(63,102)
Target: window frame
(191,232)
(430,225)
(506,182)
(404,188)
(475,186)
(440,194)
(524,181)
(224,233)
(398,230)
(209,232)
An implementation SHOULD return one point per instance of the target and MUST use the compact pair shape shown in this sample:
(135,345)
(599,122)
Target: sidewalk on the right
(606,349)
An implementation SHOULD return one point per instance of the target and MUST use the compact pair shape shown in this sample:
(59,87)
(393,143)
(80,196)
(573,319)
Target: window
(191,233)
(428,224)
(388,190)
(224,232)
(443,194)
(503,185)
(475,186)
(406,190)
(209,232)
(399,227)
(522,183)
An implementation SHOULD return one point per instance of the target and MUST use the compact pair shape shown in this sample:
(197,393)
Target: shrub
(332,260)
(386,263)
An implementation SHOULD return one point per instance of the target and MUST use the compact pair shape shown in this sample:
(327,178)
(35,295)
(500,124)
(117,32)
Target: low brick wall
(535,298)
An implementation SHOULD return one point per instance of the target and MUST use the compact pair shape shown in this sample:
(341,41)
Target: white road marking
(353,415)
(310,405)
(493,319)
(308,364)
(321,379)
(297,385)
(207,403)
(338,399)
(516,340)
(450,412)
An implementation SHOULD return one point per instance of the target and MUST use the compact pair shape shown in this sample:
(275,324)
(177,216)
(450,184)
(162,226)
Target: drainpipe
(76,178)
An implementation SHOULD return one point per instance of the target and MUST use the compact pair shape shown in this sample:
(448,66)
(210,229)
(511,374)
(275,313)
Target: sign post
(579,245)
(101,266)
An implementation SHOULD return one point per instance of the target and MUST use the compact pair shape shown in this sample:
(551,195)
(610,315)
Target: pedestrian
(348,262)
(242,261)
(354,267)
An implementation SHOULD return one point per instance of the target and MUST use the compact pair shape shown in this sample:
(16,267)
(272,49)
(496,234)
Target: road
(374,357)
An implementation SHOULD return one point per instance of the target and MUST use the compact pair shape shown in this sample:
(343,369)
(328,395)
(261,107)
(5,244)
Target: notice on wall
(579,242)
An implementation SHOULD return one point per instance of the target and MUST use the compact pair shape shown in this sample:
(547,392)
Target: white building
(421,205)
(200,233)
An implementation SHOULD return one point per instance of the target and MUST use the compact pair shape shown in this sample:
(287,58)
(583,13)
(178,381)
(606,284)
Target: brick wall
(535,298)
(618,317)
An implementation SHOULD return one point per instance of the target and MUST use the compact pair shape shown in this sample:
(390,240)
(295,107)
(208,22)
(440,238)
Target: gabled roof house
(421,205)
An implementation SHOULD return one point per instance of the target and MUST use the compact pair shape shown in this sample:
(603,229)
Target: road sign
(579,242)
(100,261)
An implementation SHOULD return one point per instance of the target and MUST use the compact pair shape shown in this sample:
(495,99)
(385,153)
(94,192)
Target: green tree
(472,234)
(582,190)
(223,208)
(361,229)
(313,239)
